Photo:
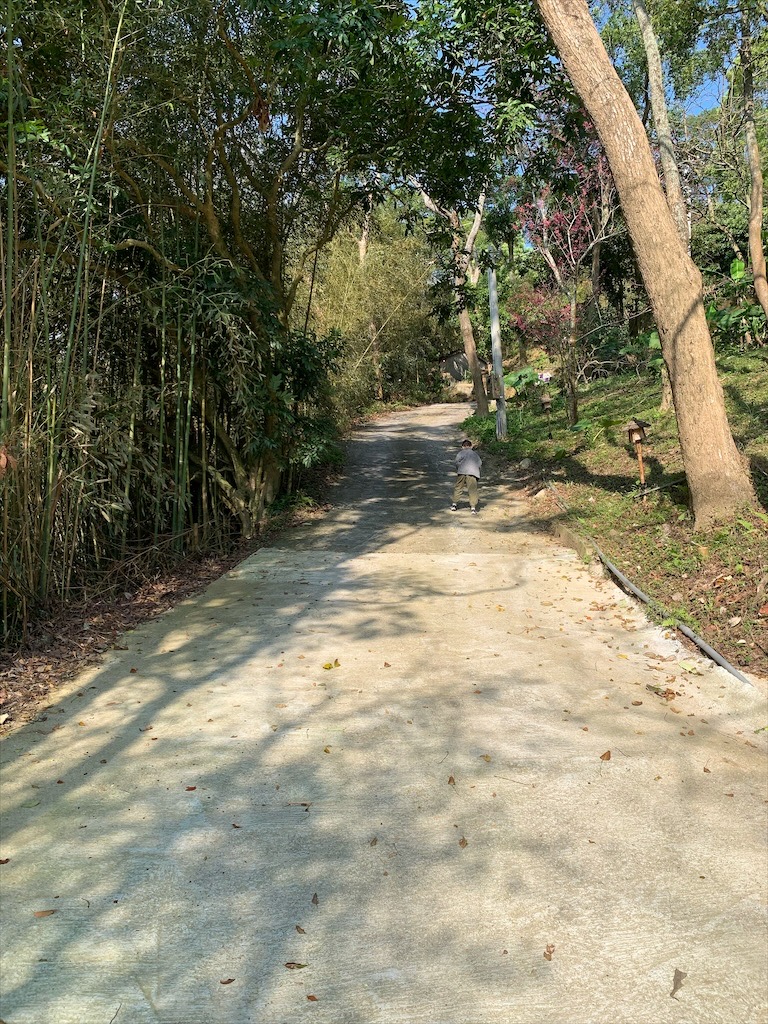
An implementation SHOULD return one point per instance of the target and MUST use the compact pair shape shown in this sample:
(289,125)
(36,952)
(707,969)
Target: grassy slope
(708,581)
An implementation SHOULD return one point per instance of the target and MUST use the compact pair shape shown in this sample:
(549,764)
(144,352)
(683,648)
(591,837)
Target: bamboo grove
(169,174)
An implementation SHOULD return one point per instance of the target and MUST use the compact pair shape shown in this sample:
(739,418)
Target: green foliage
(523,381)
(595,430)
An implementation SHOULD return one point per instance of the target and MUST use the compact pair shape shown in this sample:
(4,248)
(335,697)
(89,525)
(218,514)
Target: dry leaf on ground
(677,981)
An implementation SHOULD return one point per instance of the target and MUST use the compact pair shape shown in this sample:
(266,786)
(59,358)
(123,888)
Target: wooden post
(639,450)
(498,369)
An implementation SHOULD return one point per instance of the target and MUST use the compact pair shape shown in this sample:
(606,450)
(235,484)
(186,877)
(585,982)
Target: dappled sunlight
(367,766)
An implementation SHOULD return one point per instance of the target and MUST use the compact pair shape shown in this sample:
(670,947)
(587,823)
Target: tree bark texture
(672,186)
(756,251)
(717,477)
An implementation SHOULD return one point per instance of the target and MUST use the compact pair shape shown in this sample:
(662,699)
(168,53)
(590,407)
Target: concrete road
(365,779)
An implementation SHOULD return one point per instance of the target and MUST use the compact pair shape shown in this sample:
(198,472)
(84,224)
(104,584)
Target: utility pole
(498,369)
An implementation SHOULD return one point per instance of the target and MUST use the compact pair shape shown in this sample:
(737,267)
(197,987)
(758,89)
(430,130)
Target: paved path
(419,824)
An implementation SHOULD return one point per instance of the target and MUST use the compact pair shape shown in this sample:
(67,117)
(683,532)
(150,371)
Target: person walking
(468,464)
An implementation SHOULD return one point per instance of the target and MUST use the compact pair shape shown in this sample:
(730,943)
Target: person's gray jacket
(468,462)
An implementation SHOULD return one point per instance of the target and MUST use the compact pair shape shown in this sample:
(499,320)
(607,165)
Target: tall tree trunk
(672,185)
(756,252)
(470,351)
(717,477)
(462,249)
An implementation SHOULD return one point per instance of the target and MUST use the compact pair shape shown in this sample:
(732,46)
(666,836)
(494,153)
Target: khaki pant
(466,482)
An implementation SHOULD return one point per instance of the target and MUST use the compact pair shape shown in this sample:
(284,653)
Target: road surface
(402,767)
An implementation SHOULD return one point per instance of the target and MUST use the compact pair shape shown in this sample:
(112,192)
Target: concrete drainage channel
(585,546)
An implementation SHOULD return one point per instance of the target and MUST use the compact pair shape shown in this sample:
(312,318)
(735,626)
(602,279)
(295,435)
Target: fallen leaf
(688,666)
(227,981)
(708,771)
(549,951)
(463,842)
(486,757)
(43,913)
(81,723)
(636,703)
(5,860)
(374,841)
(293,966)
(300,930)
(134,670)
(585,728)
(312,999)
(606,756)
(191,788)
(236,826)
(451,780)
(336,663)
(677,981)
(315,900)
(328,666)
(499,607)
(326,750)
(624,656)
(763,610)
(387,665)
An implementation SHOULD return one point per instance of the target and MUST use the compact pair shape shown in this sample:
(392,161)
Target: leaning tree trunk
(470,351)
(717,477)
(756,252)
(672,186)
